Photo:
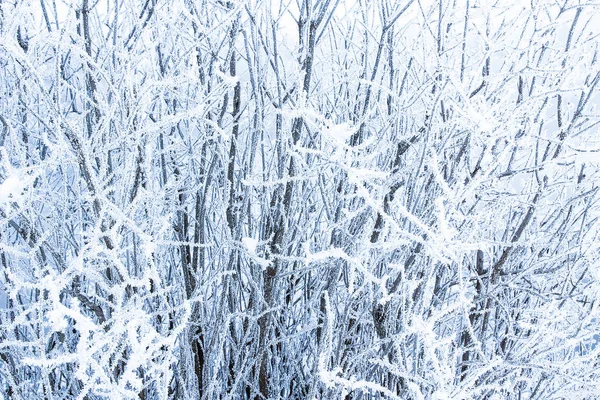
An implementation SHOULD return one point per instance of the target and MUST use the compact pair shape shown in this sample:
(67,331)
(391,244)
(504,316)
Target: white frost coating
(454,246)
(227,79)
(327,376)
(57,319)
(13,188)
(149,248)
(356,175)
(340,132)
(326,254)
(414,388)
(250,244)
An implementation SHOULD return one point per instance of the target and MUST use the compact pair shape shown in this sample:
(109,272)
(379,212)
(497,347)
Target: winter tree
(308,199)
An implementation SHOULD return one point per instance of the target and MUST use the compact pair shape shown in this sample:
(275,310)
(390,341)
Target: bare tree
(309,199)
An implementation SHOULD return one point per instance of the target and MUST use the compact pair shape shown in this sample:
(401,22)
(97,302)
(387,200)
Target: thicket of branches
(299,199)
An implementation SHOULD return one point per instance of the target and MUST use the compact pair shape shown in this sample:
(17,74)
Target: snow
(339,133)
(13,188)
(250,244)
(440,279)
